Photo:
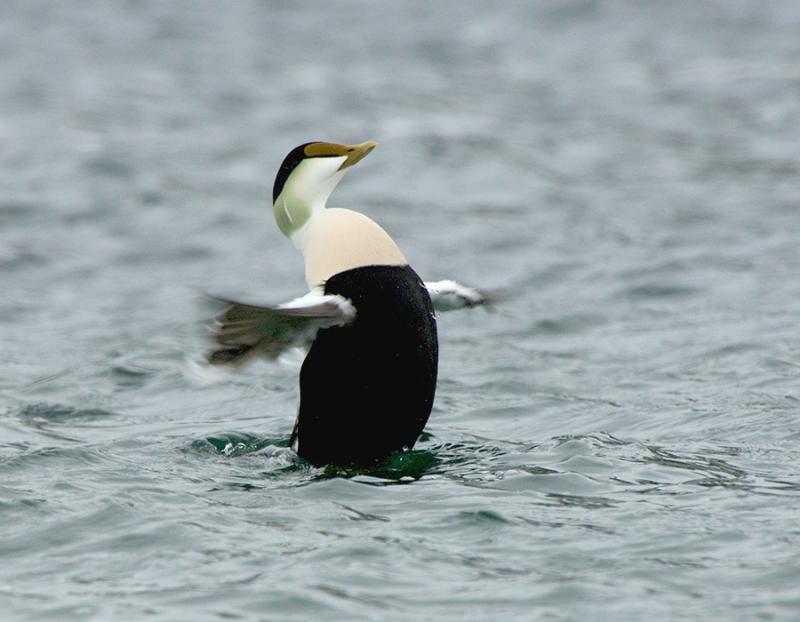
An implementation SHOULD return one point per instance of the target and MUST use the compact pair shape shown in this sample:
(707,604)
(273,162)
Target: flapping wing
(449,295)
(243,331)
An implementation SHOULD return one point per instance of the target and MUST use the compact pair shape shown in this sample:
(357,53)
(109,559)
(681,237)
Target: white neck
(305,193)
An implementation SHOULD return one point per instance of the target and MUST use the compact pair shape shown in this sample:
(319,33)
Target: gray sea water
(619,440)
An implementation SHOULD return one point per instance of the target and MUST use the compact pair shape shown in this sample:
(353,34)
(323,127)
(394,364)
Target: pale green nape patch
(291,216)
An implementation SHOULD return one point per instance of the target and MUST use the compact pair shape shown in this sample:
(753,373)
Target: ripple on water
(232,444)
(593,469)
(657,290)
(51,457)
(60,413)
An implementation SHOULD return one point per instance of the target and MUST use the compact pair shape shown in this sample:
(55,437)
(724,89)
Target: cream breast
(335,240)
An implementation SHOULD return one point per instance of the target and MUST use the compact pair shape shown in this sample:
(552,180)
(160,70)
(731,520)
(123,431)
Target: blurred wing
(449,295)
(243,331)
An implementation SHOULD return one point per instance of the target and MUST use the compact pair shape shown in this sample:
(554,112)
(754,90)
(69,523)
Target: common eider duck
(368,381)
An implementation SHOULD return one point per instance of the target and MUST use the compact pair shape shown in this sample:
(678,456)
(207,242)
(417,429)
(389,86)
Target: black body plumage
(366,389)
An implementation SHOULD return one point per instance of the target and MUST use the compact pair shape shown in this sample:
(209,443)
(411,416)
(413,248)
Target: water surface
(618,441)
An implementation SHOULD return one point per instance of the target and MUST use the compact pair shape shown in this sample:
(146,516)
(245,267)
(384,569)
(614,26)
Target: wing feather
(242,331)
(449,295)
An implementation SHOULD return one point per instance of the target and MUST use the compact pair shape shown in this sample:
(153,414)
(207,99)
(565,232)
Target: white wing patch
(337,309)
(243,331)
(449,295)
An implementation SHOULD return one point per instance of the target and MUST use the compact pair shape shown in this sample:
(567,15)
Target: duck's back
(367,389)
